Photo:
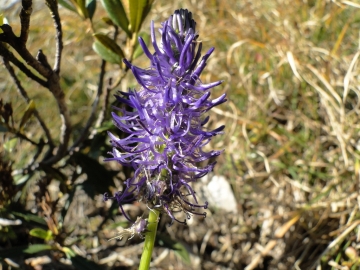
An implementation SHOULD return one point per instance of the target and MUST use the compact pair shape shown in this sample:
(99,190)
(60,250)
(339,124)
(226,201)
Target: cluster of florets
(166,122)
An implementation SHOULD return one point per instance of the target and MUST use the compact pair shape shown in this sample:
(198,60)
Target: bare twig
(25,20)
(27,99)
(102,113)
(11,57)
(53,84)
(41,57)
(37,154)
(9,37)
(53,6)
(24,137)
(66,127)
(91,119)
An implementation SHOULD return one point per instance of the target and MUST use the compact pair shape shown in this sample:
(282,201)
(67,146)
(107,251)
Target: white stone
(220,195)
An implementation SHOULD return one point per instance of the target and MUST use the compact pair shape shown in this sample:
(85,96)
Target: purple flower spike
(166,122)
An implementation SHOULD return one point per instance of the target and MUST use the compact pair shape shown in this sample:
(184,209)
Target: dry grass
(292,139)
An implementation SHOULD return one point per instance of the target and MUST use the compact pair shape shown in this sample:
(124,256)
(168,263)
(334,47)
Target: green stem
(149,240)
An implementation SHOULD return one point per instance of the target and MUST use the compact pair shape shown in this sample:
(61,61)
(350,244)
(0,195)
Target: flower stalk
(149,239)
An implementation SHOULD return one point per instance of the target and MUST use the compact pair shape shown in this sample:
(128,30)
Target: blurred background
(283,195)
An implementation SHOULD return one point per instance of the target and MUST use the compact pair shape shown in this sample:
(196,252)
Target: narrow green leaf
(10,144)
(110,46)
(146,11)
(106,53)
(108,21)
(116,12)
(20,179)
(105,126)
(29,111)
(68,252)
(37,248)
(1,21)
(136,11)
(91,7)
(67,5)
(41,233)
(82,6)
(30,217)
(109,43)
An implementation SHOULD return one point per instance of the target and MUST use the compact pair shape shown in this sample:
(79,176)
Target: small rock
(219,194)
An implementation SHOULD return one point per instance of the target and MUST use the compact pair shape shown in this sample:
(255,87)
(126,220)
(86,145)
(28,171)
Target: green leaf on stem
(1,22)
(37,248)
(91,7)
(106,53)
(10,144)
(67,5)
(20,179)
(30,217)
(108,49)
(146,10)
(29,111)
(109,43)
(108,21)
(80,6)
(138,11)
(41,233)
(117,14)
(68,252)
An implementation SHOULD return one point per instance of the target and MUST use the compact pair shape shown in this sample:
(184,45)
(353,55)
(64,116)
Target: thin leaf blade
(110,44)
(106,53)
(67,5)
(37,248)
(29,111)
(116,12)
(91,7)
(10,144)
(41,233)
(81,8)
(1,21)
(136,10)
